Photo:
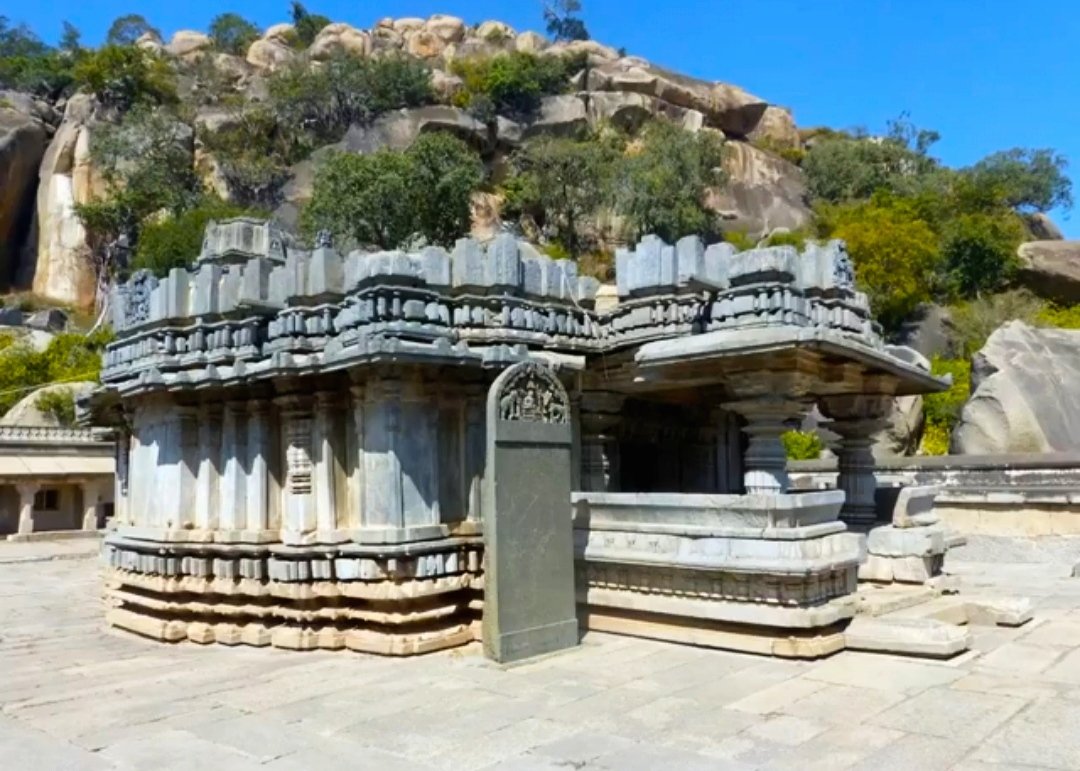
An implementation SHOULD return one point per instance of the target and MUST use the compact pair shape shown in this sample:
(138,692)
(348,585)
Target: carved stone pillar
(356,459)
(600,414)
(258,465)
(299,506)
(856,418)
(324,428)
(231,502)
(91,490)
(206,481)
(27,491)
(765,462)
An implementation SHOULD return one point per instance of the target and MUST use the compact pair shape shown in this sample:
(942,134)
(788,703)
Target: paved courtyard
(75,696)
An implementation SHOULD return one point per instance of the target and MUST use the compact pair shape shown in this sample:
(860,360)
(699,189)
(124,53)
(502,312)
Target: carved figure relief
(298,456)
(843,269)
(532,393)
(137,296)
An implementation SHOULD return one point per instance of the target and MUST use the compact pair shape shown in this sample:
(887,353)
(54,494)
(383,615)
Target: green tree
(71,39)
(1028,180)
(973,321)
(125,30)
(387,198)
(121,76)
(661,187)
(254,152)
(19,41)
(307,24)
(802,445)
(896,254)
(27,64)
(232,33)
(175,241)
(562,183)
(979,251)
(562,20)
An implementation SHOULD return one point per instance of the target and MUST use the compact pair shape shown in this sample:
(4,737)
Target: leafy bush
(125,30)
(979,251)
(324,102)
(802,445)
(1059,316)
(511,83)
(60,404)
(562,183)
(1028,180)
(943,409)
(796,238)
(175,242)
(68,357)
(121,76)
(232,33)
(661,186)
(387,198)
(896,254)
(974,321)
(740,240)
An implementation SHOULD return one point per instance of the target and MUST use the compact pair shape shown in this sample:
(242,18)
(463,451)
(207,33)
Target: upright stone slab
(529,606)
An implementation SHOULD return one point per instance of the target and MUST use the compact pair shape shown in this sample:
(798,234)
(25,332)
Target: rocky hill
(47,166)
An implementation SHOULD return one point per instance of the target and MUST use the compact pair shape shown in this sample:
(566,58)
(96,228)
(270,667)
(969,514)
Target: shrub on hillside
(1059,316)
(59,404)
(741,240)
(388,198)
(323,102)
(125,30)
(972,322)
(511,83)
(306,25)
(254,153)
(662,182)
(122,76)
(174,242)
(942,410)
(27,64)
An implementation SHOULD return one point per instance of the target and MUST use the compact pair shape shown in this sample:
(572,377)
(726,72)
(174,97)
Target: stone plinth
(759,573)
(910,550)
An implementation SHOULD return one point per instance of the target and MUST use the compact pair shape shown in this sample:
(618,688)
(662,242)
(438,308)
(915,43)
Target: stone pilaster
(91,491)
(765,462)
(355,514)
(475,448)
(324,430)
(856,418)
(600,414)
(27,491)
(299,505)
(258,465)
(231,502)
(120,487)
(207,477)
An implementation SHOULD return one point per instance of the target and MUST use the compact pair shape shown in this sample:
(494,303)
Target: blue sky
(987,74)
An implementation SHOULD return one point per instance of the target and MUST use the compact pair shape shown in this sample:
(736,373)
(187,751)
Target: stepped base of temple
(420,603)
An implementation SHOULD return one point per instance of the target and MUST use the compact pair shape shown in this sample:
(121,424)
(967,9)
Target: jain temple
(403,452)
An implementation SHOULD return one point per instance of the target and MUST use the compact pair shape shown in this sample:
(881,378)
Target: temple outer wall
(994,495)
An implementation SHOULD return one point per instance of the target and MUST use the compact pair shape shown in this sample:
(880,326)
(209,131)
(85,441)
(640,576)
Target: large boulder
(726,107)
(62,272)
(22,144)
(397,130)
(26,412)
(270,54)
(186,42)
(448,29)
(530,43)
(929,331)
(1051,269)
(777,128)
(1024,396)
(1042,228)
(905,421)
(763,192)
(340,37)
(424,44)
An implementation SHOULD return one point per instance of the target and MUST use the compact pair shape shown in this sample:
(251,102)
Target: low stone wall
(1003,495)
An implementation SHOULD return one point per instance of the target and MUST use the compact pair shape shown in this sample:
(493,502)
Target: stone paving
(75,696)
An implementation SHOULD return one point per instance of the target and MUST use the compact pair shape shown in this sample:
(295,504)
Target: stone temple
(305,445)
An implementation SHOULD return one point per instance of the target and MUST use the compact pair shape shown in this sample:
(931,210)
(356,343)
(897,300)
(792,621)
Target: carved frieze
(531,393)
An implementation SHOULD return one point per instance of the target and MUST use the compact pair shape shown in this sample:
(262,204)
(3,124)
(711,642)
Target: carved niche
(298,456)
(843,268)
(531,393)
(136,295)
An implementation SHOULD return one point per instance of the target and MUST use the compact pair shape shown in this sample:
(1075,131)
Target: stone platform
(612,703)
